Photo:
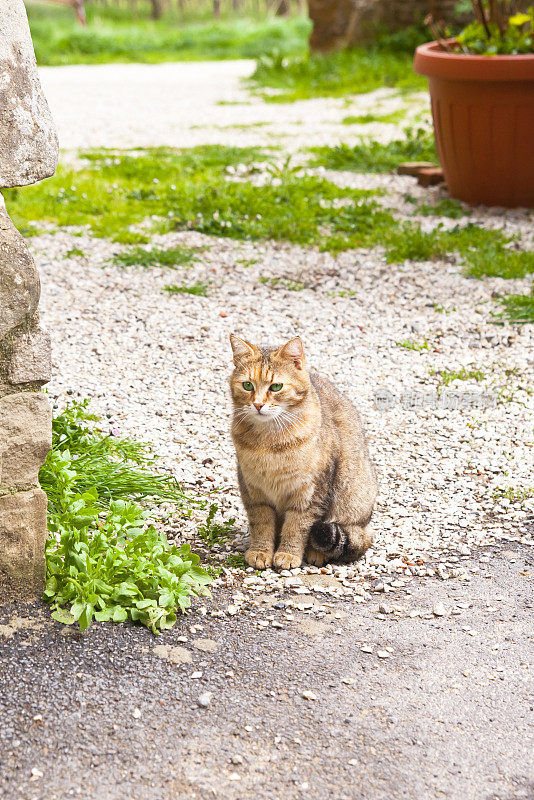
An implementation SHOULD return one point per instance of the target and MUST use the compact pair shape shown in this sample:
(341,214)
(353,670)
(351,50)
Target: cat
(305,477)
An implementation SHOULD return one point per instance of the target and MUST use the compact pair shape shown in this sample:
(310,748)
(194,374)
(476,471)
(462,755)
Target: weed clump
(103,560)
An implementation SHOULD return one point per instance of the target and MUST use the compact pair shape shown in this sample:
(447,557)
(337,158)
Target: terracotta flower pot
(483,111)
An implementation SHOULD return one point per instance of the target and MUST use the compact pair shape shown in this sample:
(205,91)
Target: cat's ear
(241,349)
(293,351)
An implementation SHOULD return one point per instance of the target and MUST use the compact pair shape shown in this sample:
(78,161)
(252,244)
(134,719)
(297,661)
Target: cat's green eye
(275,387)
(248,386)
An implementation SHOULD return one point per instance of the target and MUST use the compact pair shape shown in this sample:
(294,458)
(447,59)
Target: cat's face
(268,384)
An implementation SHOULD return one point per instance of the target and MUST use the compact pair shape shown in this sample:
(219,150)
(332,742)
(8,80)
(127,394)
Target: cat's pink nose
(258,406)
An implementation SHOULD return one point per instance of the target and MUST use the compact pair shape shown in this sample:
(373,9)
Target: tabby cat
(304,472)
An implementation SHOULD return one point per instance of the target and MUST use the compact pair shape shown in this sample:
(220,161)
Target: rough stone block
(25,438)
(28,138)
(19,280)
(22,544)
(32,358)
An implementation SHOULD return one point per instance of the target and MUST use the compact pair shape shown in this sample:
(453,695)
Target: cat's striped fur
(306,480)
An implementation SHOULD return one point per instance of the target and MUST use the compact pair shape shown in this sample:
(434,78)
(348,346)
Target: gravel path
(187,104)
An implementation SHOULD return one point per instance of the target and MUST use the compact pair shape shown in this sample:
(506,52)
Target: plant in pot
(482,93)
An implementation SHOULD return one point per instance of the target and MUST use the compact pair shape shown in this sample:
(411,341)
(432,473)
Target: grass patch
(493,259)
(283,283)
(179,256)
(416,145)
(75,252)
(214,190)
(439,309)
(236,561)
(352,71)
(445,207)
(200,289)
(407,344)
(364,119)
(103,560)
(115,34)
(519,308)
(513,494)
(463,374)
(482,252)
(192,190)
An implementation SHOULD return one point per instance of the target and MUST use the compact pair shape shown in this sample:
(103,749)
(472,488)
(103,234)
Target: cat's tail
(341,542)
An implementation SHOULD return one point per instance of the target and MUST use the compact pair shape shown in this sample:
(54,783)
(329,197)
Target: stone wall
(28,153)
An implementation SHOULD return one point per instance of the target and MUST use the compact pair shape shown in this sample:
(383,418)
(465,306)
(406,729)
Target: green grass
(514,494)
(236,561)
(440,309)
(179,256)
(192,190)
(364,119)
(200,289)
(519,308)
(407,344)
(196,189)
(444,207)
(493,259)
(117,35)
(103,560)
(482,252)
(74,251)
(416,145)
(283,283)
(463,374)
(347,72)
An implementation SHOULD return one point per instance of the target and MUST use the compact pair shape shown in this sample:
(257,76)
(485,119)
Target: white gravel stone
(204,699)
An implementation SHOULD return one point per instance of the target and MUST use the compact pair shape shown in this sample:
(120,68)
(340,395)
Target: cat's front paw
(286,560)
(315,557)
(259,559)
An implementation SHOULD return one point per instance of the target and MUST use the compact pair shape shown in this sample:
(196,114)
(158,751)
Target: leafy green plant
(372,156)
(213,532)
(499,29)
(115,467)
(200,289)
(178,256)
(104,561)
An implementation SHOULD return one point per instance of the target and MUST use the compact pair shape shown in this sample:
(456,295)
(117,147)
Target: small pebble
(204,699)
